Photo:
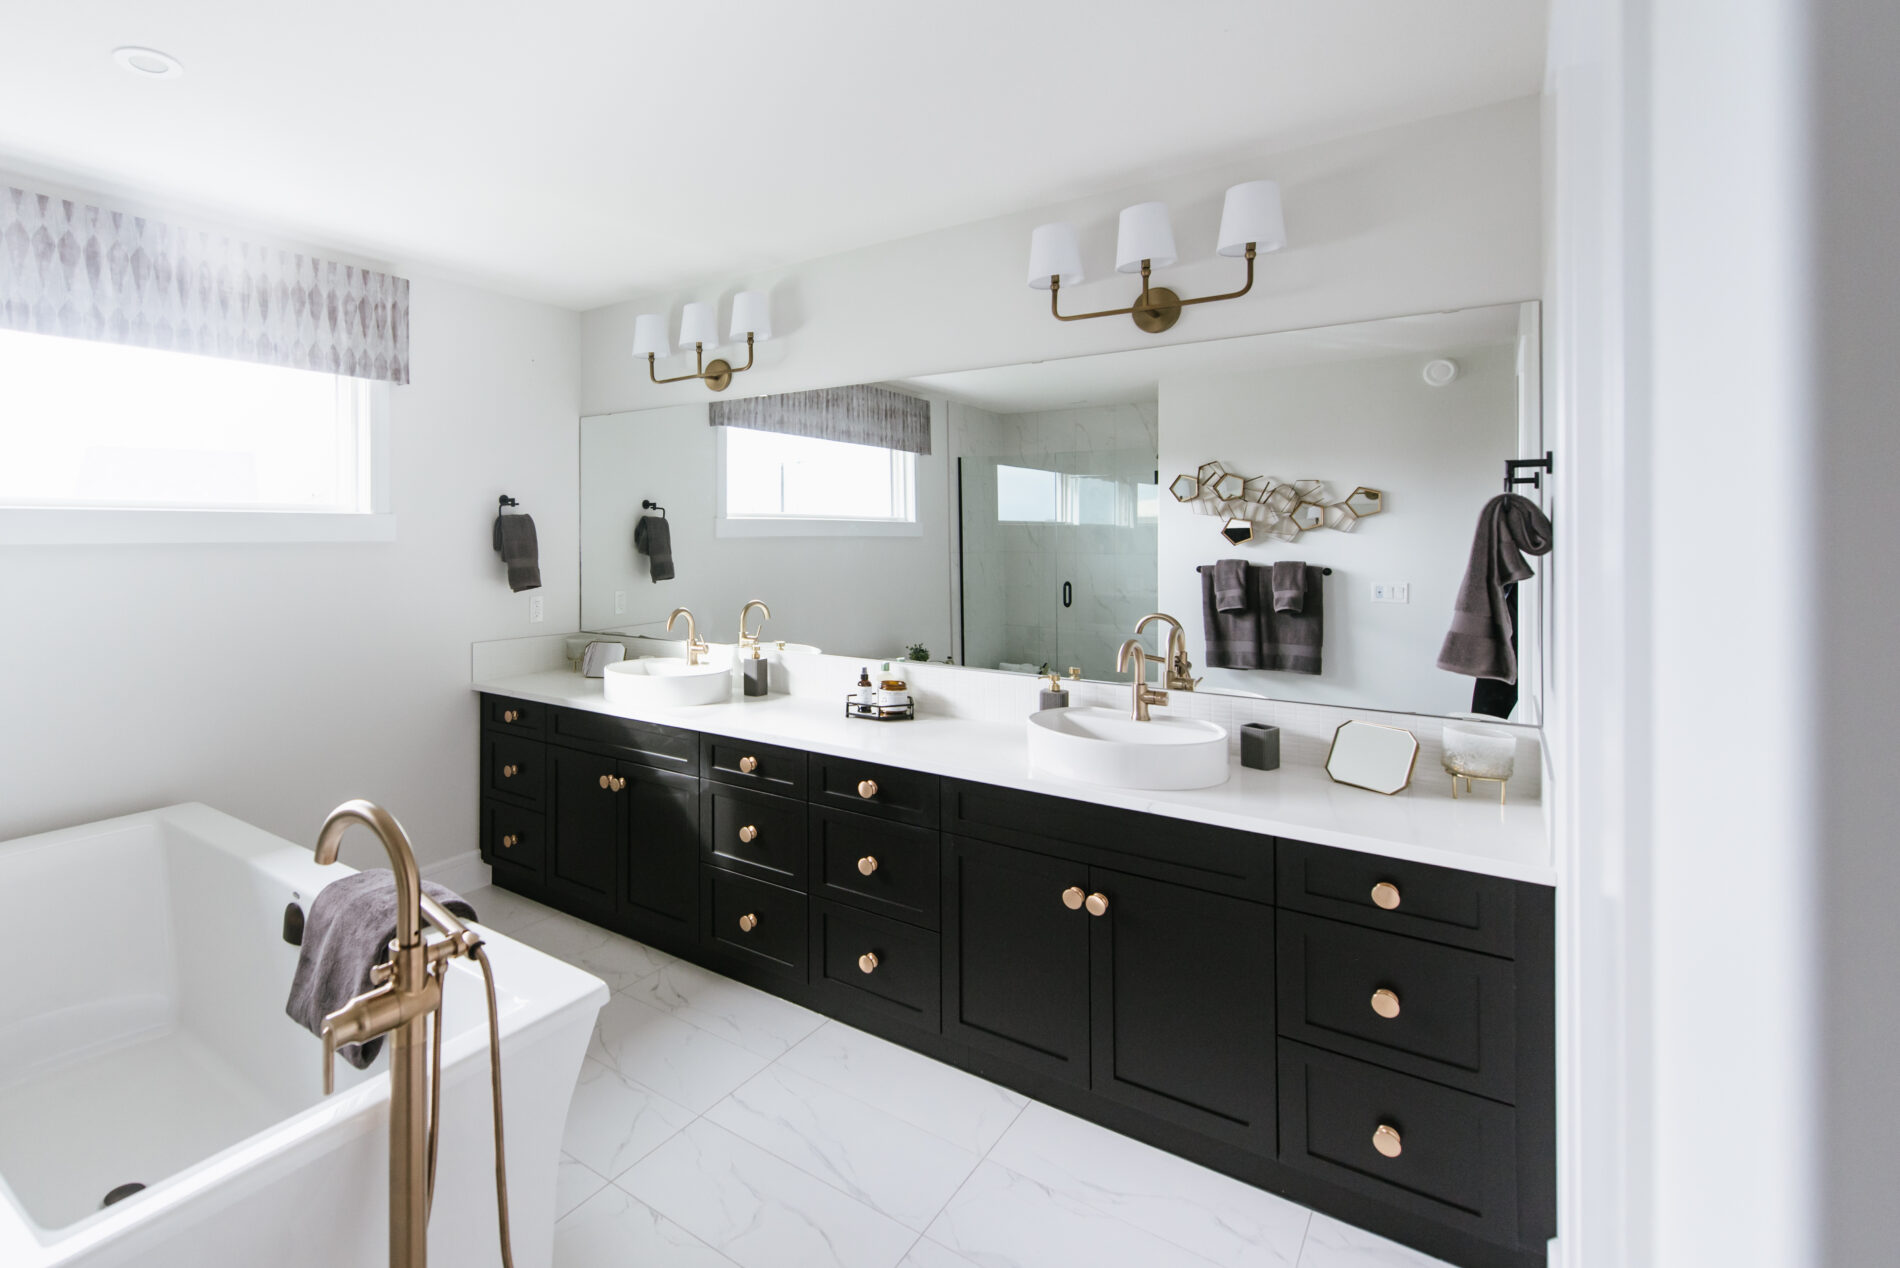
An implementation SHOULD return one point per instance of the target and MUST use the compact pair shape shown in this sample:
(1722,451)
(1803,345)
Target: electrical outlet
(620,603)
(1391,592)
(535,612)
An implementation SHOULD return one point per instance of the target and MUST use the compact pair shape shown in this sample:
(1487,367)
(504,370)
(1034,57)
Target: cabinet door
(1016,958)
(1183,1006)
(585,821)
(659,897)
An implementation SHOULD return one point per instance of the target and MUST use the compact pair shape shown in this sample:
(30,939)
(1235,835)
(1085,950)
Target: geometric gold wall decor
(1185,488)
(1274,508)
(1237,531)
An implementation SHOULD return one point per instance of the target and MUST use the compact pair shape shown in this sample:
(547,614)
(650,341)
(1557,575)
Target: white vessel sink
(667,682)
(1106,746)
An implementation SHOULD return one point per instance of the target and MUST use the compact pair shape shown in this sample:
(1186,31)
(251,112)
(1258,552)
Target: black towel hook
(1536,467)
(507,501)
(648,504)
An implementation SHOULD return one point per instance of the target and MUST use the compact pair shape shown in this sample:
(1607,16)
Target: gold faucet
(1180,668)
(1132,650)
(751,640)
(408,993)
(695,647)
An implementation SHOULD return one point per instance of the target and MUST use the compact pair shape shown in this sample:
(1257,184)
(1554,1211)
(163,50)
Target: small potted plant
(917,651)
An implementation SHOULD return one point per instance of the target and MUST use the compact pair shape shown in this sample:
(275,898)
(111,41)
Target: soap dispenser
(867,696)
(1055,695)
(758,674)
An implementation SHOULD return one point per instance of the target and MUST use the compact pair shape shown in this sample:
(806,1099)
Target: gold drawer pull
(748,922)
(511,715)
(867,962)
(1072,897)
(867,788)
(1098,904)
(1385,1003)
(867,865)
(508,842)
(509,772)
(1386,1141)
(747,765)
(1385,895)
(748,834)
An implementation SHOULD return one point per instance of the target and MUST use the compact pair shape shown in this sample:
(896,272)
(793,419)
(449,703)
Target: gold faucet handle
(329,1058)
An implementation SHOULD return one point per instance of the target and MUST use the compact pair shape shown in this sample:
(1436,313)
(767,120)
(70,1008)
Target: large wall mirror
(1055,504)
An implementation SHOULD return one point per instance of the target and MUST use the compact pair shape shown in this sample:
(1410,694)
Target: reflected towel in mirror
(653,537)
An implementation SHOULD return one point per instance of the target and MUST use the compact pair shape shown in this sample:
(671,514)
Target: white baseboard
(465,873)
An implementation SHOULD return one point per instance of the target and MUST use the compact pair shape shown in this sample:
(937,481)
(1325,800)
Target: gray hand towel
(1479,642)
(515,543)
(1230,585)
(348,932)
(653,537)
(1289,585)
(1259,637)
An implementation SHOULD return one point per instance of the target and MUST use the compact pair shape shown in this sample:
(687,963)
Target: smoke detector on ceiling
(148,63)
(1440,372)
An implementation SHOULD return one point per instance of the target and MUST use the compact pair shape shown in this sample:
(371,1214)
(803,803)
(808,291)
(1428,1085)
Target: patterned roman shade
(860,415)
(70,268)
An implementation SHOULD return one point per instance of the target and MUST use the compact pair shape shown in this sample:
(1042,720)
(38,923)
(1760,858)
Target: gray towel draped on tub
(515,543)
(352,921)
(1480,641)
(653,537)
(1257,636)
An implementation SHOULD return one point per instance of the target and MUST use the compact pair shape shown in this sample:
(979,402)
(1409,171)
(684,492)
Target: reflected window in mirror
(1031,495)
(770,477)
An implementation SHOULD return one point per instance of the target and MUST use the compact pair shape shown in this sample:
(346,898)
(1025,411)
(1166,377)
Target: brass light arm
(1158,304)
(717,375)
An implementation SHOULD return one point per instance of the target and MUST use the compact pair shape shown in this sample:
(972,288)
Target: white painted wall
(1440,214)
(1435,453)
(860,596)
(275,681)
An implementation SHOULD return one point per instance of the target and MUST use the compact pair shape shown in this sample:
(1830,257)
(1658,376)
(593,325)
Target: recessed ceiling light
(148,63)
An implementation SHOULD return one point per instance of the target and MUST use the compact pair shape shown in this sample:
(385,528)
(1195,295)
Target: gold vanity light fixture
(1251,222)
(699,326)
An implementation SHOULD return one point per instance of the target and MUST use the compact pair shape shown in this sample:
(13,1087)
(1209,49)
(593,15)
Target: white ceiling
(583,152)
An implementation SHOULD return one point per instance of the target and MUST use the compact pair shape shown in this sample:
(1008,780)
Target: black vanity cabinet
(1371,1037)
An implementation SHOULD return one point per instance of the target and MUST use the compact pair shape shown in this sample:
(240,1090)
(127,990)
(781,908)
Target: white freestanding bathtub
(143,1039)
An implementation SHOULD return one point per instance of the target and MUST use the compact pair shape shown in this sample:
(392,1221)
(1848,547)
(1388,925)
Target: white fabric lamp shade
(1054,251)
(1146,234)
(1251,214)
(751,315)
(699,323)
(649,336)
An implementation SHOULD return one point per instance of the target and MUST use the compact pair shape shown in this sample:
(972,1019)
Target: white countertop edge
(1517,847)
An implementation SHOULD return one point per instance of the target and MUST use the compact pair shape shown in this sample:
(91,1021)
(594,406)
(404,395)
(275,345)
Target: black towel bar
(648,504)
(1536,466)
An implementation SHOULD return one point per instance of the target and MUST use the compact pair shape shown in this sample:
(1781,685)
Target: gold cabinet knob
(1385,1003)
(867,788)
(511,715)
(508,842)
(867,865)
(747,765)
(1385,895)
(867,962)
(1386,1141)
(619,783)
(1072,897)
(510,771)
(748,922)
(1097,904)
(607,782)
(748,834)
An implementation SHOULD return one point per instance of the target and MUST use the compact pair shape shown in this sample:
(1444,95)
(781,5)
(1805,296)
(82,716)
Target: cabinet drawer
(521,717)
(1453,1013)
(891,968)
(512,768)
(512,837)
(1457,1153)
(1460,909)
(760,923)
(889,868)
(744,764)
(647,743)
(905,796)
(754,833)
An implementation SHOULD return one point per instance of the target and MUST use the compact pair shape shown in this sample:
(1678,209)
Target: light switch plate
(535,612)
(1391,592)
(620,603)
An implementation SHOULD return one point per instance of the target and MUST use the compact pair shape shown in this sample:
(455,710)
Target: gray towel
(1480,640)
(348,932)
(1289,585)
(1260,638)
(515,543)
(653,537)
(1230,585)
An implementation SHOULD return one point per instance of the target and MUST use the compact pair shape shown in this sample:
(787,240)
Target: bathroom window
(104,442)
(793,486)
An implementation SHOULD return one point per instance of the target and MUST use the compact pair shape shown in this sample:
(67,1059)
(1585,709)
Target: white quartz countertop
(1424,823)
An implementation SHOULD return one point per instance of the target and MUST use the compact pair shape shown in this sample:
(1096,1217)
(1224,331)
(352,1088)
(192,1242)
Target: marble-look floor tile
(1178,1201)
(961,1108)
(506,912)
(758,1209)
(613,1229)
(1002,1220)
(1332,1244)
(683,1063)
(873,1156)
(613,1121)
(574,1183)
(613,959)
(927,1254)
(757,1022)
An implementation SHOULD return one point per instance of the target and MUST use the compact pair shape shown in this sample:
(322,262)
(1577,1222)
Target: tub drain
(121,1193)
